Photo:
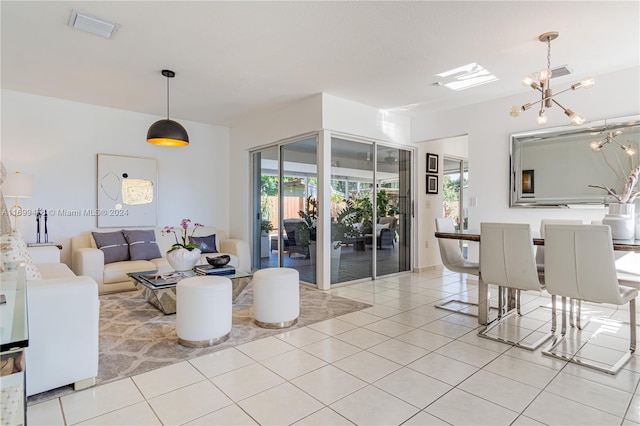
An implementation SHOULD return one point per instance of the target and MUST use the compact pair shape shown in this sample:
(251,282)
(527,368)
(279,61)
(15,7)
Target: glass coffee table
(163,297)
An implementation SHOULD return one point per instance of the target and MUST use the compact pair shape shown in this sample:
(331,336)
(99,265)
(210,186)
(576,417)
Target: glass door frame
(323,157)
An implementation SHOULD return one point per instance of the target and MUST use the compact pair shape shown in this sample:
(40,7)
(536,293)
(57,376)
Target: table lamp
(17,185)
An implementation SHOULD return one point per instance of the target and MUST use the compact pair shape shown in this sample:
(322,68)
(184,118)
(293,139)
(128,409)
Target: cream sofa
(63,316)
(87,259)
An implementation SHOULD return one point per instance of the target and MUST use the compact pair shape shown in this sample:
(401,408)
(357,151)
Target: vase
(182,259)
(637,204)
(621,218)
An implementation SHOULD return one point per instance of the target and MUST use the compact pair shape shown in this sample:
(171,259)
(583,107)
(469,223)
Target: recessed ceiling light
(92,24)
(467,76)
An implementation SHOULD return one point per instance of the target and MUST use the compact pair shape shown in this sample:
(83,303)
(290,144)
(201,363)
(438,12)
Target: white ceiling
(238,58)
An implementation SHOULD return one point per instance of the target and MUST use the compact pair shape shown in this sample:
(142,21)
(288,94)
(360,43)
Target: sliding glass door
(369,212)
(394,210)
(285,180)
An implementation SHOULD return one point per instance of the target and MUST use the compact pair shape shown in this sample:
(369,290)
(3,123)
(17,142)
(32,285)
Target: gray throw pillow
(142,244)
(205,244)
(113,245)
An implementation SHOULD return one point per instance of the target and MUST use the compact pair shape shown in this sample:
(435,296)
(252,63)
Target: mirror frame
(519,198)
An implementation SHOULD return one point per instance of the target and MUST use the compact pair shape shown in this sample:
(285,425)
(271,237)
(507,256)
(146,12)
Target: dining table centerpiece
(183,255)
(622,216)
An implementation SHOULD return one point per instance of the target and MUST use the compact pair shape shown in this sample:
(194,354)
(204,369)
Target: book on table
(163,280)
(212,270)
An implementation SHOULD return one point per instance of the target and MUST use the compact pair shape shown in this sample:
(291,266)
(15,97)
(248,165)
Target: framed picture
(432,184)
(527,182)
(127,191)
(432,163)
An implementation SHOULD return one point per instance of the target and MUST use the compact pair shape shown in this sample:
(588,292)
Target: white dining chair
(507,260)
(575,308)
(543,223)
(453,260)
(580,264)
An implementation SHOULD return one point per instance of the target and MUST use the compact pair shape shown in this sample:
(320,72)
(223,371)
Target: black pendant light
(167,132)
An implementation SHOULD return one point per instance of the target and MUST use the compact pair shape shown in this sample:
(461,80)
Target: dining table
(632,245)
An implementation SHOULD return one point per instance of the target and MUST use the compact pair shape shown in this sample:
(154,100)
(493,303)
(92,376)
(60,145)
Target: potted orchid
(183,255)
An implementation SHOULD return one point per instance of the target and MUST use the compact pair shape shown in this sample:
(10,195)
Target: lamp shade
(18,185)
(167,133)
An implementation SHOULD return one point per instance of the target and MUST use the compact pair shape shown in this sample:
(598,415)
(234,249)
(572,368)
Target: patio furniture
(291,225)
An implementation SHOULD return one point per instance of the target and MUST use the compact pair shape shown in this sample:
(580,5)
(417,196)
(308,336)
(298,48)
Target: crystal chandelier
(542,85)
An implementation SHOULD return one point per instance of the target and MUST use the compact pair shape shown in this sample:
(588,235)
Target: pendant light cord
(167,97)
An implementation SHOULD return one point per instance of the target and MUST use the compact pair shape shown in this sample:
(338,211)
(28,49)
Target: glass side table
(14,337)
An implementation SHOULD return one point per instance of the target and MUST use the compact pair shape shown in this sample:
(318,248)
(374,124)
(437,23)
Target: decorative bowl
(219,261)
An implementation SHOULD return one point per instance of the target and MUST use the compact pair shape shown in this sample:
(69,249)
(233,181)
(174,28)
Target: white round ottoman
(276,297)
(203,311)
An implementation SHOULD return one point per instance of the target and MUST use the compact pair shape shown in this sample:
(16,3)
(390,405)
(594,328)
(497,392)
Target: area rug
(135,337)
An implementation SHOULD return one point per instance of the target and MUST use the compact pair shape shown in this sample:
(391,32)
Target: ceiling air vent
(560,71)
(92,24)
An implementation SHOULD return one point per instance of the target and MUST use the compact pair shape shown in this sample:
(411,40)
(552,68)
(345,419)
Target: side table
(44,245)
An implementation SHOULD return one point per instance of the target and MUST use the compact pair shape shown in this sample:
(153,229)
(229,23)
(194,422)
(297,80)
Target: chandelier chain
(548,54)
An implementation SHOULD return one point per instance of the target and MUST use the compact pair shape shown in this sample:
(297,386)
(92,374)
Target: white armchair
(63,314)
(63,333)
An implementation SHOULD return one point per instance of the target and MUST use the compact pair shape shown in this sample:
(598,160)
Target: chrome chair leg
(504,312)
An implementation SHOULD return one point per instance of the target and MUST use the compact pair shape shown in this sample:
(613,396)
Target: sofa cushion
(142,244)
(205,244)
(15,250)
(117,271)
(113,245)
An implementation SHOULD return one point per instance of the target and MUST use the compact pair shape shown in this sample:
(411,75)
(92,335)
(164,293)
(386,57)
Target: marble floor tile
(292,364)
(246,381)
(362,338)
(553,409)
(48,413)
(188,403)
(398,351)
(221,362)
(331,350)
(265,348)
(301,336)
(167,379)
(231,415)
(461,408)
(94,402)
(367,366)
(413,387)
(445,369)
(324,417)
(500,390)
(139,414)
(328,384)
(372,406)
(281,405)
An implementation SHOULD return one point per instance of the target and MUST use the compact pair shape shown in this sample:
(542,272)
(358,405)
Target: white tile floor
(401,361)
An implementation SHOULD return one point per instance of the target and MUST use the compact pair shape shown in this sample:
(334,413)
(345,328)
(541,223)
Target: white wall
(57,142)
(345,116)
(488,126)
(322,111)
(296,118)
(429,206)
